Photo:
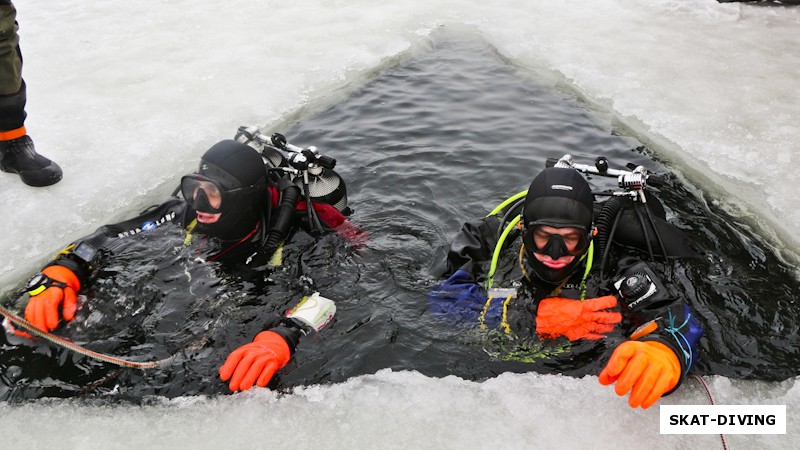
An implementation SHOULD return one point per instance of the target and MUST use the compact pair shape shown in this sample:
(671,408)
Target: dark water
(427,145)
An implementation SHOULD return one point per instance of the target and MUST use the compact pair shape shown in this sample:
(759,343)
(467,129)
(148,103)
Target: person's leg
(17,152)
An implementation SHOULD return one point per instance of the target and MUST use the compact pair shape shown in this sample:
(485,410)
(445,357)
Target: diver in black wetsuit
(236,211)
(557,308)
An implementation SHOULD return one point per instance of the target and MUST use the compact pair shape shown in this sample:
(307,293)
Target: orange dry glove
(576,319)
(648,368)
(54,285)
(256,362)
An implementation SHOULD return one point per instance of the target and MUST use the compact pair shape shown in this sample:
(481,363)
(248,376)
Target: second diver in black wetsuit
(557,308)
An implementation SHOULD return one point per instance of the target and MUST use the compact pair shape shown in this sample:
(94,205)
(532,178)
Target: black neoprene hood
(232,164)
(559,197)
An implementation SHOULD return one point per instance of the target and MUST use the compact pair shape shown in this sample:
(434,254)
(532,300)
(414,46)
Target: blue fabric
(693,333)
(461,300)
(686,332)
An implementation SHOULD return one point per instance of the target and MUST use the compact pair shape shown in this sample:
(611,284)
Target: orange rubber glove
(576,319)
(647,369)
(58,290)
(256,362)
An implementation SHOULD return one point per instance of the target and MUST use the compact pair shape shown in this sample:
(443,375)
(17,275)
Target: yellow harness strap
(504,322)
(66,251)
(188,239)
(277,257)
(504,319)
(482,316)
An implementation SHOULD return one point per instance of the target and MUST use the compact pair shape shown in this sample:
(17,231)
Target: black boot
(19,156)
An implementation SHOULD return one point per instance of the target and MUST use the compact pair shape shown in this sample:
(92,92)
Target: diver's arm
(473,244)
(658,315)
(255,363)
(53,290)
(82,255)
(459,297)
(662,349)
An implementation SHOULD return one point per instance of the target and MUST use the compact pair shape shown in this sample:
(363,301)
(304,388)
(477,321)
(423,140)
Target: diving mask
(206,195)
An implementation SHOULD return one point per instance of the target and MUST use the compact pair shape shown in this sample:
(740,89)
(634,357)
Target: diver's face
(211,191)
(207,218)
(213,197)
(571,237)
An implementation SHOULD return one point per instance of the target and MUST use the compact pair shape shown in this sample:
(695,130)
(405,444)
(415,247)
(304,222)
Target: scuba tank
(315,170)
(326,186)
(311,173)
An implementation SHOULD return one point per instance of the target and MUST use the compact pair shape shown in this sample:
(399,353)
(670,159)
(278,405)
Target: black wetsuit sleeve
(473,244)
(655,314)
(108,237)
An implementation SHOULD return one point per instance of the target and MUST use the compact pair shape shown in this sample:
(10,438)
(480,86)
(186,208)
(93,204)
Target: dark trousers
(12,87)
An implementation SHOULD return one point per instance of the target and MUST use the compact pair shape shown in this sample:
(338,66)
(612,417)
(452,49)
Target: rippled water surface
(438,140)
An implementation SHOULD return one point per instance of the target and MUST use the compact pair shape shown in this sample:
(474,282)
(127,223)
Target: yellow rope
(482,317)
(504,322)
